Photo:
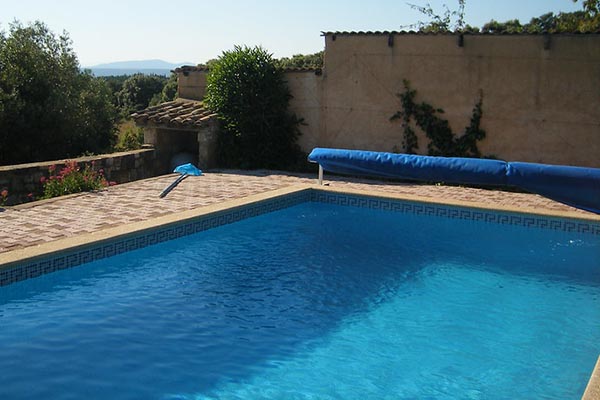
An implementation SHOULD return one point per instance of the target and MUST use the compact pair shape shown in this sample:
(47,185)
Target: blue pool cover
(575,186)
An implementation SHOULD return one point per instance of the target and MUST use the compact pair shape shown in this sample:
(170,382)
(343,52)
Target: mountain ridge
(139,64)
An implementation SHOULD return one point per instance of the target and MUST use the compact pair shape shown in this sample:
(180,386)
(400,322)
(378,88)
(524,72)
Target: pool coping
(21,255)
(592,390)
(31,254)
(27,254)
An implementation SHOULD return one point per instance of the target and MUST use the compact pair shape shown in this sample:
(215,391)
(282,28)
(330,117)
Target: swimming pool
(339,297)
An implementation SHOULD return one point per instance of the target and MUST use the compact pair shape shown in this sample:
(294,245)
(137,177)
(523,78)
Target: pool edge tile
(462,211)
(592,391)
(72,251)
(30,262)
(458,203)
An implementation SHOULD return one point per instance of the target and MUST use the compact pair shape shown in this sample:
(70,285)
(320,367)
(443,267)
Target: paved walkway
(44,221)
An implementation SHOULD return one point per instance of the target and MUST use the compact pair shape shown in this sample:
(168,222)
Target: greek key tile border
(56,262)
(456,212)
(69,259)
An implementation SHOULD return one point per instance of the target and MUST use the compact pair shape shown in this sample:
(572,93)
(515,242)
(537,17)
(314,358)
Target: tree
(168,92)
(586,20)
(591,22)
(249,94)
(577,21)
(510,26)
(49,109)
(302,61)
(115,84)
(591,7)
(137,92)
(448,21)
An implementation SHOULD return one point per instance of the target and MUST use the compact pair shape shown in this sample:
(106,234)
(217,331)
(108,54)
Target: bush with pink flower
(3,197)
(72,178)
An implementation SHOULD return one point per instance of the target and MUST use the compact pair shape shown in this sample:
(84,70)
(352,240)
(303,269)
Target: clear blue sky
(196,31)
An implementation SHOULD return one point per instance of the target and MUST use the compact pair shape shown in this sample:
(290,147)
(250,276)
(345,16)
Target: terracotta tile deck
(44,221)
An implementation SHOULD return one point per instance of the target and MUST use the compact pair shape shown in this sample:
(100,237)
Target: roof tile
(188,68)
(181,113)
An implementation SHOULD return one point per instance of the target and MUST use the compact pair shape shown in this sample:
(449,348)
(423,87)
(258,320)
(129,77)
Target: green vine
(442,141)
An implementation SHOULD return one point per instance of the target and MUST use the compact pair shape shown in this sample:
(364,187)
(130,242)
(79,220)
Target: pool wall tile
(99,250)
(457,212)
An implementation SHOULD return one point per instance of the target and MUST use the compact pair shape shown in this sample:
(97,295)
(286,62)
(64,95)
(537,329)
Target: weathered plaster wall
(306,89)
(541,94)
(191,84)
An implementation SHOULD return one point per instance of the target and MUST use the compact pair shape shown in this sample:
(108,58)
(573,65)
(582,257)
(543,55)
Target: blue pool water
(314,302)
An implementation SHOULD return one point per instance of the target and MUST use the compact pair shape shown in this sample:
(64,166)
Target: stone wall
(24,179)
(171,142)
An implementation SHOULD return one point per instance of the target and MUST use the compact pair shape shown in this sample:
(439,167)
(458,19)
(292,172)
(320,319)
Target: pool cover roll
(576,186)
(414,167)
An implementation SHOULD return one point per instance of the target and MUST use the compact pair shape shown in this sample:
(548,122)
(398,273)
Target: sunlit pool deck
(51,225)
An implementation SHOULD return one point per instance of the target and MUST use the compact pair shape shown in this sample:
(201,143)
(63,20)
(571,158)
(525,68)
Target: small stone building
(182,130)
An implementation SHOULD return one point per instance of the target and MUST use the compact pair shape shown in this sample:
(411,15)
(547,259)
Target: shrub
(3,197)
(72,179)
(168,93)
(138,91)
(249,94)
(130,137)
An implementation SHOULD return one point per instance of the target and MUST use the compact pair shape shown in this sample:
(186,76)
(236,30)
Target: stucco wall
(191,84)
(541,94)
(306,89)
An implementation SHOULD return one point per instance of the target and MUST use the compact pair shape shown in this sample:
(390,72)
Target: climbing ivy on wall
(442,141)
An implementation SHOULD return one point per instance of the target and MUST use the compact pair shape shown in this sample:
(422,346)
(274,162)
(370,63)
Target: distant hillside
(140,64)
(129,71)
(158,67)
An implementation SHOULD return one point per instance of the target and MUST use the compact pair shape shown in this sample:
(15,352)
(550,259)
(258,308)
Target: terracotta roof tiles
(181,113)
(191,68)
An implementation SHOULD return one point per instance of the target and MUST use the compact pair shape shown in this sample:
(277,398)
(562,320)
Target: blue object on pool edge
(188,169)
(185,170)
(575,186)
